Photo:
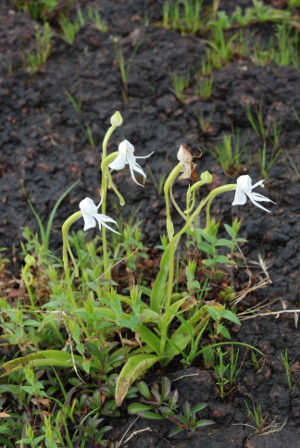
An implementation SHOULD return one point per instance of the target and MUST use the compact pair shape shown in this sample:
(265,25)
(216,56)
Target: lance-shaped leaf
(135,366)
(42,359)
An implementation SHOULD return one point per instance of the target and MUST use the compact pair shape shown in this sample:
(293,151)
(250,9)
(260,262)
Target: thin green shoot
(76,102)
(257,121)
(184,16)
(287,366)
(124,66)
(180,83)
(34,60)
(204,88)
(69,28)
(267,160)
(256,415)
(45,232)
(228,153)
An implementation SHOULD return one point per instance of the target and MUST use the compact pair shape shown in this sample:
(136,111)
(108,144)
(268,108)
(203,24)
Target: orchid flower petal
(257,204)
(118,163)
(91,216)
(133,176)
(89,222)
(244,190)
(240,197)
(126,156)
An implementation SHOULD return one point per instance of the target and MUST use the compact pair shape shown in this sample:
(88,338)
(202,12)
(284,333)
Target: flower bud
(116,119)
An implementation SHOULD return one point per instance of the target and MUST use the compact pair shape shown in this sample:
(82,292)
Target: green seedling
(94,16)
(180,83)
(257,121)
(34,60)
(188,419)
(156,402)
(89,134)
(39,9)
(267,160)
(228,153)
(183,16)
(124,66)
(287,366)
(76,102)
(204,88)
(256,415)
(226,373)
(69,28)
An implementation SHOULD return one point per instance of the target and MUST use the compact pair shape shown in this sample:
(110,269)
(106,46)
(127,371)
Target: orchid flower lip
(91,216)
(244,190)
(126,157)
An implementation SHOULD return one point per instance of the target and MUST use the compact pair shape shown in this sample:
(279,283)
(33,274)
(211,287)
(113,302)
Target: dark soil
(44,150)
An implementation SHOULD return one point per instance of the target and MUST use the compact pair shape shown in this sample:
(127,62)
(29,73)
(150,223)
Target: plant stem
(104,187)
(167,188)
(66,249)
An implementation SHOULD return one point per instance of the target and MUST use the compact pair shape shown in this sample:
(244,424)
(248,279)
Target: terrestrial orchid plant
(151,313)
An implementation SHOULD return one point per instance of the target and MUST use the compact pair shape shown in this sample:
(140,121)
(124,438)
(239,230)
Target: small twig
(271,313)
(133,434)
(184,376)
(116,264)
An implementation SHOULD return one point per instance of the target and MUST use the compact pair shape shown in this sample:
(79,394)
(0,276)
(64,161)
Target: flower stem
(104,187)
(66,249)
(167,188)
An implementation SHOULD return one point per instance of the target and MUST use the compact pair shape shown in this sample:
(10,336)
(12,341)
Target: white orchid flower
(244,189)
(125,156)
(91,216)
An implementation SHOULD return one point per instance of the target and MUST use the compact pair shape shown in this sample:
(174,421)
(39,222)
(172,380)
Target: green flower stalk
(27,277)
(115,121)
(89,213)
(67,251)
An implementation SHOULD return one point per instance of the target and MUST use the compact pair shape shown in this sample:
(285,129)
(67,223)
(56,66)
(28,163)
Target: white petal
(260,198)
(240,197)
(133,176)
(257,204)
(89,222)
(145,157)
(136,167)
(118,163)
(245,183)
(102,219)
(125,148)
(258,183)
(87,205)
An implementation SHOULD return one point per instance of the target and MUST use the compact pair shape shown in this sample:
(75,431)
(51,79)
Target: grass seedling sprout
(287,366)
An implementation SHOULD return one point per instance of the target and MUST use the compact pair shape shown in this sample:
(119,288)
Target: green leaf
(134,367)
(144,389)
(204,423)
(159,287)
(206,247)
(199,407)
(151,415)
(149,338)
(175,431)
(229,230)
(223,331)
(41,359)
(171,312)
(135,408)
(224,242)
(229,315)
